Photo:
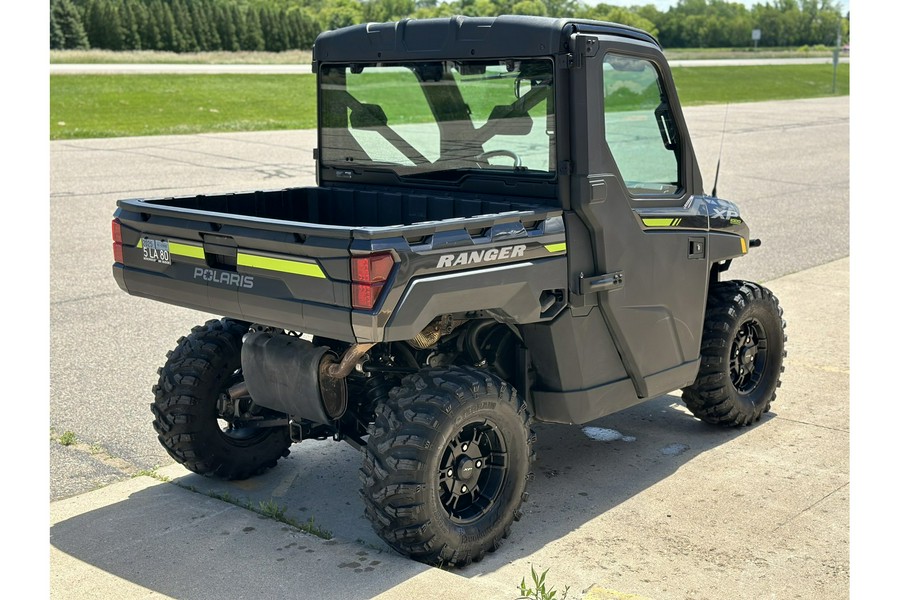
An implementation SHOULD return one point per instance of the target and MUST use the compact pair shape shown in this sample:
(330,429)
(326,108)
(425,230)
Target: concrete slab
(668,509)
(146,539)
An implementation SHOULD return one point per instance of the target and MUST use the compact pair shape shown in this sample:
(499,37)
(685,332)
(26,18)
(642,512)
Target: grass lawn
(718,85)
(764,52)
(91,106)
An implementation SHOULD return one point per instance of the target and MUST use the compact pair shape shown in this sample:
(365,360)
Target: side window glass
(640,130)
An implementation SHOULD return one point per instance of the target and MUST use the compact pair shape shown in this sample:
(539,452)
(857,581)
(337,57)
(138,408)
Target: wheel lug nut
(449,472)
(464,489)
(465,447)
(477,464)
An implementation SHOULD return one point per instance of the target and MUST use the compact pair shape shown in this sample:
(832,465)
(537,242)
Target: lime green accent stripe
(181,249)
(658,222)
(280,264)
(561,247)
(186,250)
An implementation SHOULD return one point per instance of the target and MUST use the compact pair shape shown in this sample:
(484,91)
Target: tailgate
(259,270)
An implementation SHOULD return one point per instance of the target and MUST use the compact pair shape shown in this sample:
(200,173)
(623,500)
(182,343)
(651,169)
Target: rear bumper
(229,300)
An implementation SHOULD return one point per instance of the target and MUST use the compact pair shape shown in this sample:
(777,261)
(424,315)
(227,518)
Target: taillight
(117,241)
(365,296)
(368,274)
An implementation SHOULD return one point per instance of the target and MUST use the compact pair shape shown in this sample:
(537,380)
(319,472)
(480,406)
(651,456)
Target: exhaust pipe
(351,357)
(291,375)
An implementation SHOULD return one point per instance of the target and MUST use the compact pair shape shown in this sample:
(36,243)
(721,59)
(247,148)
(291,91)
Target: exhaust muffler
(291,375)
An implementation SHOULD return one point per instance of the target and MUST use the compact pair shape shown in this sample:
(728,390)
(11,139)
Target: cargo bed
(282,257)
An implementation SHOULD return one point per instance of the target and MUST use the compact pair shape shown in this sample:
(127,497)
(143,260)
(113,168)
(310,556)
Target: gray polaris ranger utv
(509,226)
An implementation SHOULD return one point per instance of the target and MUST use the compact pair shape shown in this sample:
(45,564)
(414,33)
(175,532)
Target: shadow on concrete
(576,480)
(181,544)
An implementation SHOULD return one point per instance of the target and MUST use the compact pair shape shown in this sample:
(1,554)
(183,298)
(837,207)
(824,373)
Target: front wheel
(446,465)
(742,355)
(186,410)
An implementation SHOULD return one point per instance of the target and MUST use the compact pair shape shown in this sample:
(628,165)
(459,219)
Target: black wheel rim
(472,471)
(749,352)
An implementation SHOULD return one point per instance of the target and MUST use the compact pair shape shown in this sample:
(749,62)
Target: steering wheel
(484,156)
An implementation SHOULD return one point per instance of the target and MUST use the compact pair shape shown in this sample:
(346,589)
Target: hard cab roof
(460,38)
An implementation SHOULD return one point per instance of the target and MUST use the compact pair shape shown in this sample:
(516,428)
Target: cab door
(634,175)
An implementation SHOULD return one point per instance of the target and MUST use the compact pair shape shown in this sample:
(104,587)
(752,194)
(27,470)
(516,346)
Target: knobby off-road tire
(446,465)
(201,367)
(742,355)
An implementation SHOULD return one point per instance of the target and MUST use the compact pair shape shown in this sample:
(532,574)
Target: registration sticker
(156,250)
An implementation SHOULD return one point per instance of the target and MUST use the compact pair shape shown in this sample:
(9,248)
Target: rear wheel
(188,416)
(446,465)
(742,355)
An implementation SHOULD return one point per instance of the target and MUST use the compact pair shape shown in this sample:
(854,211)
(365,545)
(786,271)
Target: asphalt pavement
(684,511)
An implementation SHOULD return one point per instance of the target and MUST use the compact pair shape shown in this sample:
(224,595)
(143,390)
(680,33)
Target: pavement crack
(144,192)
(789,127)
(803,184)
(813,505)
(162,153)
(257,142)
(101,455)
(82,298)
(838,429)
(246,164)
(156,145)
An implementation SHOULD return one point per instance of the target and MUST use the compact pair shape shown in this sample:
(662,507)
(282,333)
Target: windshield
(439,120)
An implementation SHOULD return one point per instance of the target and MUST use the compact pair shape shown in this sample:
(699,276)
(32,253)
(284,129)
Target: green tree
(387,10)
(650,12)
(57,37)
(131,25)
(778,23)
(147,26)
(203,20)
(103,25)
(303,27)
(170,36)
(251,35)
(530,7)
(276,25)
(617,14)
(562,8)
(484,8)
(186,40)
(441,9)
(340,13)
(68,21)
(274,29)
(227,28)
